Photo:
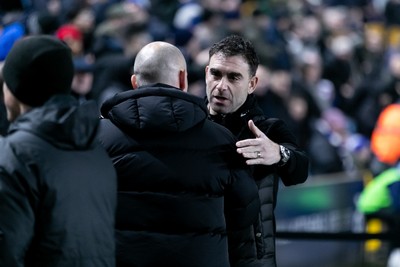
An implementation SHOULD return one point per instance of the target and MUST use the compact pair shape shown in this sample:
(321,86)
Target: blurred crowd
(328,67)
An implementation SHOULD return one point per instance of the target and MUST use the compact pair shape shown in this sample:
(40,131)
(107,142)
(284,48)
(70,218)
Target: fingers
(252,154)
(247,145)
(252,149)
(257,161)
(253,128)
(253,141)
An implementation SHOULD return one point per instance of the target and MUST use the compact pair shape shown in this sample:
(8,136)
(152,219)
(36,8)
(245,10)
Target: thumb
(253,128)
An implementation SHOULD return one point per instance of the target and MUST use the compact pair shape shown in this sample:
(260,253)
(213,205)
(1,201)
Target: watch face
(285,154)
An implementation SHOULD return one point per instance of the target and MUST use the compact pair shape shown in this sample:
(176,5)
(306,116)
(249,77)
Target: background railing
(318,225)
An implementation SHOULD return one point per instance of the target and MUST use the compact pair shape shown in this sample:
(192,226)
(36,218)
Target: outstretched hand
(258,150)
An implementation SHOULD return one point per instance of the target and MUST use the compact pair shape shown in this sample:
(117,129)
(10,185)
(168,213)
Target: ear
(206,70)
(134,82)
(183,82)
(252,84)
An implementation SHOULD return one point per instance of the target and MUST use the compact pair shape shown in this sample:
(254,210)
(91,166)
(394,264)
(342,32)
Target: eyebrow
(228,73)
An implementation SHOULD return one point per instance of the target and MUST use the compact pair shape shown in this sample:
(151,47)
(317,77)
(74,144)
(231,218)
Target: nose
(222,84)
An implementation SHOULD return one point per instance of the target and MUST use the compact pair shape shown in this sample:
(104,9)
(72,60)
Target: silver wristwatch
(285,155)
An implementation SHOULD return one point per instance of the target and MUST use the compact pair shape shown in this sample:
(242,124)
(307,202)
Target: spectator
(385,140)
(83,78)
(329,134)
(3,115)
(73,37)
(13,30)
(57,186)
(111,70)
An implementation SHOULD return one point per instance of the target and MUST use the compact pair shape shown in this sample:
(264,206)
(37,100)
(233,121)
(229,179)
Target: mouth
(220,100)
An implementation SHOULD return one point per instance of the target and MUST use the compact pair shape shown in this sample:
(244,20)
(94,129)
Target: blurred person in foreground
(380,199)
(57,185)
(266,143)
(182,188)
(380,196)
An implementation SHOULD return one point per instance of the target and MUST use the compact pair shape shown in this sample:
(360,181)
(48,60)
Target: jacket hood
(62,122)
(157,107)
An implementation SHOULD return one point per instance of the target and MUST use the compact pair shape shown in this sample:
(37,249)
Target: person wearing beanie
(37,69)
(57,185)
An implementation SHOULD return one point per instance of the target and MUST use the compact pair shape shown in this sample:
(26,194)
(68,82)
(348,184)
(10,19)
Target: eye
(234,76)
(217,74)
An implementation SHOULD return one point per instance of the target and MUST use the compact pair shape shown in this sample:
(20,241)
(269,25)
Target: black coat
(57,189)
(267,177)
(181,185)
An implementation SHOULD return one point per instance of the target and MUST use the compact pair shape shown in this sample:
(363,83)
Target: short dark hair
(235,45)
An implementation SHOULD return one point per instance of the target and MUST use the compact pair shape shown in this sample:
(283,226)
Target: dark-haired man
(266,143)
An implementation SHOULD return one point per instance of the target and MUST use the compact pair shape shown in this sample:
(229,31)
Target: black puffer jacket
(181,185)
(57,189)
(295,171)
